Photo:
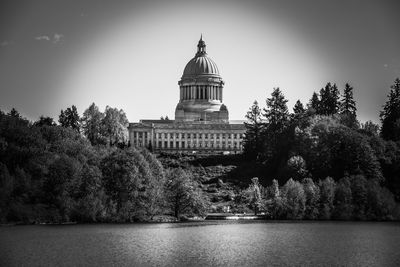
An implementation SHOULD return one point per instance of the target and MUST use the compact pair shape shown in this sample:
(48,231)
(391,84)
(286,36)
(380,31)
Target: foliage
(70,118)
(390,115)
(92,125)
(252,138)
(184,194)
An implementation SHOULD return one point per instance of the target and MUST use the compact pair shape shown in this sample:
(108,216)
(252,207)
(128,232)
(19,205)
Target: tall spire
(201,47)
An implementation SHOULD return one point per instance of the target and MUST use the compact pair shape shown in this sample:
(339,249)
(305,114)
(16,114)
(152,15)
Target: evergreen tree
(276,135)
(329,102)
(252,138)
(314,103)
(390,115)
(14,113)
(70,118)
(348,108)
(298,108)
(276,112)
(348,105)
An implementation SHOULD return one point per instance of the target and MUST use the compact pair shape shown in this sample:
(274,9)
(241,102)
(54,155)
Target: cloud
(42,38)
(57,38)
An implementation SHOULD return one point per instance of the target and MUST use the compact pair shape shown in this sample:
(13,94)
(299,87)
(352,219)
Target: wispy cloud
(42,38)
(56,38)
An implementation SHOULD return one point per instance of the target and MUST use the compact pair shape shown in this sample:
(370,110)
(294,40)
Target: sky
(131,54)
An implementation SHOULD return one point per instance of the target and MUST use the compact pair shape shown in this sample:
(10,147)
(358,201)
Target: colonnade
(205,92)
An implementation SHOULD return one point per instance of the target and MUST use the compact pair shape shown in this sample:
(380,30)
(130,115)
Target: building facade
(201,119)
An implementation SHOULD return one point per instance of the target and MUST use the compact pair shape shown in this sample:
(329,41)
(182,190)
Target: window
(206,136)
(177,135)
(171,135)
(159,144)
(183,145)
(140,135)
(176,144)
(165,144)
(159,135)
(235,136)
(171,144)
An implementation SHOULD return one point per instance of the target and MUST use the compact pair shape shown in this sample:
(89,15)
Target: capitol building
(201,118)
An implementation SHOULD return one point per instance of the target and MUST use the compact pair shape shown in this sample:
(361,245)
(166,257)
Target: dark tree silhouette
(390,115)
(70,118)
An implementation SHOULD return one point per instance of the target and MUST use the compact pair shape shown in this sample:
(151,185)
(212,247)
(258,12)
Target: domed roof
(201,64)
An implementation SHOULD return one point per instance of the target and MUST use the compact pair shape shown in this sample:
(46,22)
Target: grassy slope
(221,176)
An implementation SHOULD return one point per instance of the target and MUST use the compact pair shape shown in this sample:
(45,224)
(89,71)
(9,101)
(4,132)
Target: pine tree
(298,108)
(348,105)
(329,102)
(390,115)
(276,113)
(252,138)
(348,108)
(314,103)
(275,136)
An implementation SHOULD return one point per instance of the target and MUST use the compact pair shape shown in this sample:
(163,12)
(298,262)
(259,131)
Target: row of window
(188,135)
(184,144)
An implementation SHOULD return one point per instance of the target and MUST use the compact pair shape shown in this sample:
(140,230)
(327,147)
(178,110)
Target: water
(210,243)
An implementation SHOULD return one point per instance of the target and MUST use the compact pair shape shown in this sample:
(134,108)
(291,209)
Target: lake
(209,243)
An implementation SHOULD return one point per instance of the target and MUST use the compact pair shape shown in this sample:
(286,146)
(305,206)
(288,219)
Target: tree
(327,194)
(298,108)
(183,194)
(276,140)
(295,197)
(14,113)
(92,125)
(343,207)
(312,194)
(70,118)
(254,195)
(276,112)
(115,126)
(359,190)
(252,138)
(347,104)
(275,204)
(348,108)
(48,121)
(296,166)
(370,128)
(390,115)
(329,102)
(314,103)
(122,180)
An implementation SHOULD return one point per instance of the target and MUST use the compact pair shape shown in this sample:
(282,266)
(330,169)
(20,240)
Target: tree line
(84,170)
(353,167)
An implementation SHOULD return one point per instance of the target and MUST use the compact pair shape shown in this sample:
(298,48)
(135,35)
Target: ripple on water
(210,243)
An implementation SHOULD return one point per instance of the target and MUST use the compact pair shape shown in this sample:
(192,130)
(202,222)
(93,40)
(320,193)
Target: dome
(201,64)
